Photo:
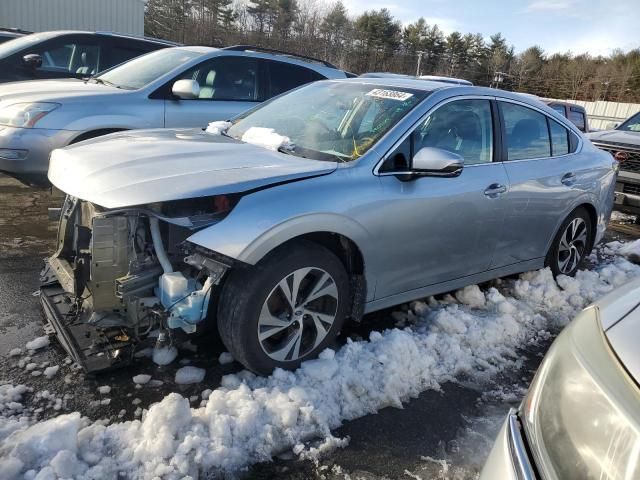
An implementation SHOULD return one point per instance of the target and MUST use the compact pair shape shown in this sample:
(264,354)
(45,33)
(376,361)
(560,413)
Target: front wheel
(284,310)
(571,244)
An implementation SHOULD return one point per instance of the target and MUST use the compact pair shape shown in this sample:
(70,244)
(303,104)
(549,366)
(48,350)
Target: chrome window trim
(517,449)
(396,144)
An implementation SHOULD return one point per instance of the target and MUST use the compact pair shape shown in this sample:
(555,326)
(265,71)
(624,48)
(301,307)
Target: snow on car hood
(134,168)
(616,136)
(51,90)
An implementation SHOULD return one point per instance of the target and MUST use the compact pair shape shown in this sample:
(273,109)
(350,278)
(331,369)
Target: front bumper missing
(94,349)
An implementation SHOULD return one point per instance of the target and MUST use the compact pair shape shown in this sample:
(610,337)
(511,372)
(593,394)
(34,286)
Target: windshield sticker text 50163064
(391,94)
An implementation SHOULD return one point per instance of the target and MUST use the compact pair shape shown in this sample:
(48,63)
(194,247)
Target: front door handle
(495,190)
(568,179)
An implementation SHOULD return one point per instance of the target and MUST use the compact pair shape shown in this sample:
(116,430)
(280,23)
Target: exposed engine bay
(119,275)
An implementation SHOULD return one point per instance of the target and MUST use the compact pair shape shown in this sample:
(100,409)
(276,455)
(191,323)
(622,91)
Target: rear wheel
(571,245)
(284,310)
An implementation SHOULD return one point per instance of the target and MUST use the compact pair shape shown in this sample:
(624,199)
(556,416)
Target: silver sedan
(339,198)
(581,417)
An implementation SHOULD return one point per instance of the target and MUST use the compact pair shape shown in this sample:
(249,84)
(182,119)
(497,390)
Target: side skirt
(450,285)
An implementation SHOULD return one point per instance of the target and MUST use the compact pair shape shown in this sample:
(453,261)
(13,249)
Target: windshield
(632,124)
(20,43)
(141,71)
(329,120)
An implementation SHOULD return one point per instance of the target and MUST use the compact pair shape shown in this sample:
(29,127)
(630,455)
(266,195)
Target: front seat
(85,68)
(208,90)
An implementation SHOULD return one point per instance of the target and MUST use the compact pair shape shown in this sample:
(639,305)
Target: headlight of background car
(581,415)
(25,115)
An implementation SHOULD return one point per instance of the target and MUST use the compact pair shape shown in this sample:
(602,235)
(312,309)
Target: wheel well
(95,133)
(593,216)
(351,257)
(342,247)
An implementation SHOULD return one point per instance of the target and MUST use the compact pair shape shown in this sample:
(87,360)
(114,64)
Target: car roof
(454,89)
(402,82)
(310,63)
(59,33)
(560,102)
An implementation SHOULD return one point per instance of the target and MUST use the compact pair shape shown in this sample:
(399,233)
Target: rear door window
(559,138)
(286,76)
(119,54)
(577,117)
(527,134)
(559,108)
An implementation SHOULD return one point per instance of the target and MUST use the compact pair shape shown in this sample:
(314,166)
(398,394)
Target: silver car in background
(339,198)
(173,87)
(581,417)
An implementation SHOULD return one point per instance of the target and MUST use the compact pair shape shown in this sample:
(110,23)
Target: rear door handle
(495,190)
(568,179)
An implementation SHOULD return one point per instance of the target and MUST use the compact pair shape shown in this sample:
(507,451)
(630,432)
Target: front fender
(263,220)
(249,243)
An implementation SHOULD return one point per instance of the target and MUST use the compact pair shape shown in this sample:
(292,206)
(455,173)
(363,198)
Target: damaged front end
(118,275)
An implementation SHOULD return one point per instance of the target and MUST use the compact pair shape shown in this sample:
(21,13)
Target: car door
(545,179)
(229,85)
(439,229)
(282,77)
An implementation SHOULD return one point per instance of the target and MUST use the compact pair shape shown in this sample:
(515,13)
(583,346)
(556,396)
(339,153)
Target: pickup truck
(623,143)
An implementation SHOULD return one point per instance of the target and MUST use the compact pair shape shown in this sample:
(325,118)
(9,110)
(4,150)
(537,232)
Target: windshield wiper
(289,150)
(103,82)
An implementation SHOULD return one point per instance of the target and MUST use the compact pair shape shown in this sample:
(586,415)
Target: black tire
(245,294)
(557,254)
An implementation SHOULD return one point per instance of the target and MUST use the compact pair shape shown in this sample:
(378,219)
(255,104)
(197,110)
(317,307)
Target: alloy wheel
(573,245)
(298,314)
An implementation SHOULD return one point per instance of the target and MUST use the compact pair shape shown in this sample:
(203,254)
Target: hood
(50,90)
(620,317)
(146,166)
(615,136)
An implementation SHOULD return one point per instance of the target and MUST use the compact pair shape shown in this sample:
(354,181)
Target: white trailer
(123,16)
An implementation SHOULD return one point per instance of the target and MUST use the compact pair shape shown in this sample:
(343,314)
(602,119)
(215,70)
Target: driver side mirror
(32,61)
(186,89)
(434,162)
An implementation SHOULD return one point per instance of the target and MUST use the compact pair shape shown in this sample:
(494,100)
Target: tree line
(375,41)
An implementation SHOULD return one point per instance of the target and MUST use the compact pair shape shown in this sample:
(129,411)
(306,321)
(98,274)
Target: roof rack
(140,37)
(15,30)
(244,48)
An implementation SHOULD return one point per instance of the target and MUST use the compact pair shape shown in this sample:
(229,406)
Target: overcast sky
(593,26)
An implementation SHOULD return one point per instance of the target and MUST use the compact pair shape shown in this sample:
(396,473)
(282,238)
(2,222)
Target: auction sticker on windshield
(391,94)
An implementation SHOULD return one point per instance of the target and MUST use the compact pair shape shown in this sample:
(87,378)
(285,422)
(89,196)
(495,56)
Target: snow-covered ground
(475,333)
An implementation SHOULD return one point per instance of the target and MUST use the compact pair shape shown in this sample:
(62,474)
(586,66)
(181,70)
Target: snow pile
(141,379)
(217,128)
(104,389)
(267,138)
(51,372)
(188,375)
(249,419)
(225,358)
(38,343)
(164,355)
(631,251)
